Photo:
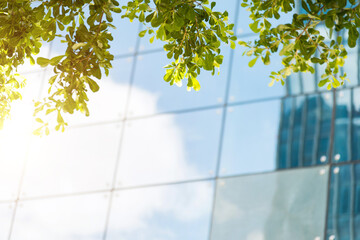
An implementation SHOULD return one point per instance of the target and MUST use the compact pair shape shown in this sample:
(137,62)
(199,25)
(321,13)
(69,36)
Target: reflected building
(237,160)
(304,140)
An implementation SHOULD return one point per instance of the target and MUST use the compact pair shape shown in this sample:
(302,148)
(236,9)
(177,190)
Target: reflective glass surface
(73,218)
(342,122)
(312,119)
(126,35)
(297,132)
(170,147)
(6,211)
(294,83)
(276,206)
(326,105)
(252,83)
(109,103)
(351,67)
(175,212)
(248,128)
(355,130)
(344,211)
(308,82)
(15,137)
(78,157)
(150,94)
(284,133)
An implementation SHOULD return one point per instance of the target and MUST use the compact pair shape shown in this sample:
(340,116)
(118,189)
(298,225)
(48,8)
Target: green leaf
(56,60)
(78,45)
(252,62)
(43,62)
(151,40)
(196,84)
(92,84)
(142,33)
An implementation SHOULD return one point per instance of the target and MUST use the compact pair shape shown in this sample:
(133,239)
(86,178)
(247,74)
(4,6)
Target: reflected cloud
(83,159)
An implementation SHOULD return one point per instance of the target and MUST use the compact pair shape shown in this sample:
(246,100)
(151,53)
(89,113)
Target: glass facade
(237,160)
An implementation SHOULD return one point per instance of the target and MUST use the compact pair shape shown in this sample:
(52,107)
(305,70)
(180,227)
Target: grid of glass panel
(157,162)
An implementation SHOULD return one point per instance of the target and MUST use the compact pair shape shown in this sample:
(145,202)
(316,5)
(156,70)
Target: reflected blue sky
(250,138)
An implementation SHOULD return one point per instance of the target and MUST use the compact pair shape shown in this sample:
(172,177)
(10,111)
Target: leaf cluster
(300,42)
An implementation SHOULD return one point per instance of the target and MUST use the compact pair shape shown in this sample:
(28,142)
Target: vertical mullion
(113,184)
(223,122)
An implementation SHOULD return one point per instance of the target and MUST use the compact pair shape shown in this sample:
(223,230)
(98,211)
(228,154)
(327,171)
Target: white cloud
(83,159)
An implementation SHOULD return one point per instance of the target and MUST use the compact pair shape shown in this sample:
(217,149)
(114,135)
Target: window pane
(351,67)
(150,94)
(286,118)
(73,218)
(356,124)
(175,212)
(6,212)
(249,128)
(252,83)
(308,81)
(294,83)
(326,105)
(78,157)
(125,35)
(340,215)
(357,202)
(343,109)
(297,132)
(170,147)
(312,117)
(281,205)
(15,137)
(108,104)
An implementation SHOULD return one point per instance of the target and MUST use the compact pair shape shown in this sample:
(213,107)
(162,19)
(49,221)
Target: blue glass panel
(71,218)
(340,203)
(170,147)
(150,94)
(356,125)
(296,145)
(351,68)
(343,109)
(312,116)
(285,130)
(294,83)
(357,202)
(308,81)
(351,62)
(252,83)
(326,103)
(248,128)
(175,212)
(125,35)
(271,206)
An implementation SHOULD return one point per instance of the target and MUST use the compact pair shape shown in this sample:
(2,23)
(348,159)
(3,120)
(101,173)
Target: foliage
(191,29)
(300,42)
